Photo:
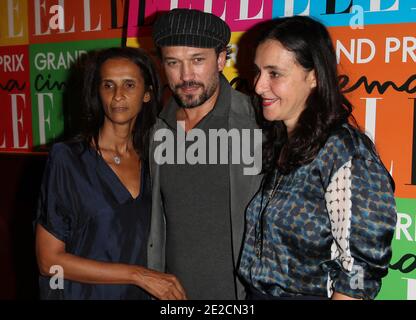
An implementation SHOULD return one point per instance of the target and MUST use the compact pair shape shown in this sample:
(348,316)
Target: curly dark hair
(94,113)
(327,109)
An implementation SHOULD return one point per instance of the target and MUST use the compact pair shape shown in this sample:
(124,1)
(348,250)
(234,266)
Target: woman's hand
(51,251)
(162,286)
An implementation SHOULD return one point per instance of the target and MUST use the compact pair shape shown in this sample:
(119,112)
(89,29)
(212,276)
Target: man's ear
(222,59)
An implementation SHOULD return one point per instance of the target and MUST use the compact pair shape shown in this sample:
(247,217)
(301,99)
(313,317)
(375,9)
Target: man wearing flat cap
(198,208)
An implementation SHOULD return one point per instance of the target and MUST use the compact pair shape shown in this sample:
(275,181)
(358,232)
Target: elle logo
(64,17)
(240,15)
(333,7)
(57,20)
(14,26)
(20,135)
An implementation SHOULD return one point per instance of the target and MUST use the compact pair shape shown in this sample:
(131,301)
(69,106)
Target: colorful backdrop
(40,40)
(376,48)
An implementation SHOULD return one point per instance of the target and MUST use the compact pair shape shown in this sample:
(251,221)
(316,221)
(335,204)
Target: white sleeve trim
(338,203)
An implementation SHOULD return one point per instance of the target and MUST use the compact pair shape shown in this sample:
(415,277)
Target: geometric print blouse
(325,227)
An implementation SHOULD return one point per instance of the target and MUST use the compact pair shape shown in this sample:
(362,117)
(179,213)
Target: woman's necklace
(117,159)
(114,154)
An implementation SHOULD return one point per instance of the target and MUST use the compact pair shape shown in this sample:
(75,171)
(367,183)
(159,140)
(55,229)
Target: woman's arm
(51,251)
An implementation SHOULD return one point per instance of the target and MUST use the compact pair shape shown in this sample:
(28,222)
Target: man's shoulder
(238,96)
(241,106)
(159,124)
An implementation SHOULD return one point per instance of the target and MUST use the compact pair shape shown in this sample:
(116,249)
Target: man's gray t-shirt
(196,200)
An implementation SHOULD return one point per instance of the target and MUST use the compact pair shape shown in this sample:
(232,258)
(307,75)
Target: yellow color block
(132,42)
(230,71)
(13,22)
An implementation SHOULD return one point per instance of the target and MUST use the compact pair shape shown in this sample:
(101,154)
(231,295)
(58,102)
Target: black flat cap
(190,28)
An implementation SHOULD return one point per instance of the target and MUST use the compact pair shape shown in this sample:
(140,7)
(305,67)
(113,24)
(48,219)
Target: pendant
(117,160)
(258,251)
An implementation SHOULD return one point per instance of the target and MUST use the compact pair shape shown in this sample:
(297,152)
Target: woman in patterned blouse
(322,222)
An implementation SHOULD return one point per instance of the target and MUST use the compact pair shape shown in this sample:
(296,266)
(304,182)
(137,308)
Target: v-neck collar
(121,192)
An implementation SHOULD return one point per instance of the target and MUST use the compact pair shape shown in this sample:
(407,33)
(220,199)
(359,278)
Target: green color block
(398,282)
(50,70)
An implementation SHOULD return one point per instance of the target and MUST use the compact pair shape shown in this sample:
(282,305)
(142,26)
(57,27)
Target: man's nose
(187,72)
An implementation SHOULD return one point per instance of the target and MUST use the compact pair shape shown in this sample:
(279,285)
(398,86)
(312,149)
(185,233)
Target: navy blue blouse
(84,204)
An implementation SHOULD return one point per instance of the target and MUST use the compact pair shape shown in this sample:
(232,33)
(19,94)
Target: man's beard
(193,101)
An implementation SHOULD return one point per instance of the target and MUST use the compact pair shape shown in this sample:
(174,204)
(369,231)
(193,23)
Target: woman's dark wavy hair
(327,109)
(94,113)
